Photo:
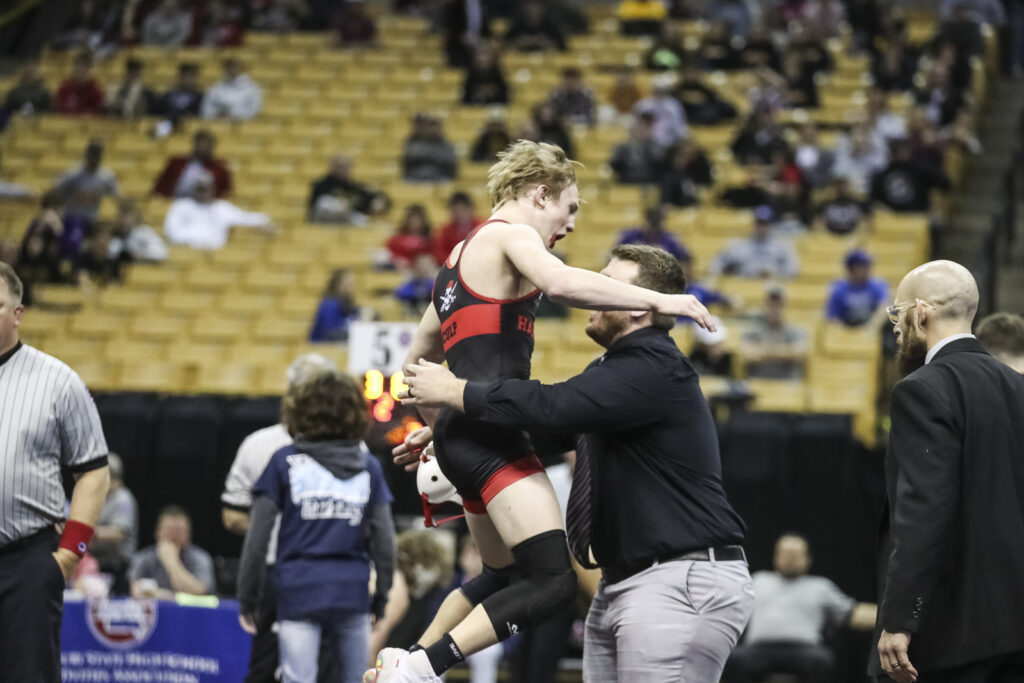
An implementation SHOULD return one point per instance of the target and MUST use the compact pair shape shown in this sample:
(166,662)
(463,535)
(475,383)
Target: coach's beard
(911,351)
(607,326)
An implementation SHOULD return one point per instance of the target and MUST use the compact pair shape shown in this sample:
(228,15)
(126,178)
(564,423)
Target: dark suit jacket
(952,561)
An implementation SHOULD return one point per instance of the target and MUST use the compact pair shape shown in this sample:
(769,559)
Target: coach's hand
(408,452)
(67,561)
(248,623)
(432,386)
(688,305)
(892,650)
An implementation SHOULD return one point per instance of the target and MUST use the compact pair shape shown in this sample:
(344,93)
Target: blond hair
(525,163)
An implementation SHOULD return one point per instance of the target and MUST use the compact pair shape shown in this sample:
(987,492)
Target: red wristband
(76,537)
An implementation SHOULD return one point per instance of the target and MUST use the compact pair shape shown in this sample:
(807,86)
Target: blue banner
(146,641)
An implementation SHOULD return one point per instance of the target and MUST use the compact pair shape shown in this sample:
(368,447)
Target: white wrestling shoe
(412,667)
(387,661)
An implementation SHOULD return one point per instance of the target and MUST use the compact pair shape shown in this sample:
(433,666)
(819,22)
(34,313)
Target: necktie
(577,515)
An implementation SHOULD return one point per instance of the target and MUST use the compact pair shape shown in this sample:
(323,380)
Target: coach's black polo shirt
(656,471)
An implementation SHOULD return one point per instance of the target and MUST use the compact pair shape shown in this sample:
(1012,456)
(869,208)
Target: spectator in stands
(550,128)
(640,159)
(977,11)
(180,173)
(926,139)
(39,259)
(669,119)
(465,24)
(689,170)
(336,310)
(735,14)
(134,238)
(337,198)
(702,104)
(416,292)
(323,561)
(533,29)
(843,213)
(800,89)
(492,139)
(169,25)
(117,531)
(858,158)
(353,27)
(709,355)
(235,97)
(768,91)
(83,187)
(1002,335)
(572,99)
(29,94)
(940,99)
(772,348)
(81,94)
(859,299)
(204,222)
(717,51)
(893,68)
(484,83)
(221,23)
(412,238)
(759,50)
(97,266)
(667,53)
(882,121)
(462,219)
(428,157)
(278,16)
(653,233)
(130,98)
(814,160)
(759,139)
(792,610)
(704,294)
(641,17)
(173,564)
(905,185)
(184,99)
(625,93)
(759,256)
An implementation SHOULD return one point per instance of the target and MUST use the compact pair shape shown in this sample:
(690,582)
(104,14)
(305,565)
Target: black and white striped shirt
(47,419)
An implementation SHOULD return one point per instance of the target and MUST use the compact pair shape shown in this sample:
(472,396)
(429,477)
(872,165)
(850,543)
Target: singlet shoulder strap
(472,233)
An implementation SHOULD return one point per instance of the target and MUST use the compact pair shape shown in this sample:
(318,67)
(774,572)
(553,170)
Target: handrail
(16,11)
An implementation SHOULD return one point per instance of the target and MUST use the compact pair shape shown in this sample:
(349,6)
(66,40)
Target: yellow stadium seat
(275,329)
(156,327)
(157,376)
(244,304)
(180,302)
(95,325)
(778,395)
(225,378)
(214,327)
(99,374)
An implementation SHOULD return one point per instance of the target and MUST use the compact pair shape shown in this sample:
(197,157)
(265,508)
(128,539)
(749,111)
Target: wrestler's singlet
(484,340)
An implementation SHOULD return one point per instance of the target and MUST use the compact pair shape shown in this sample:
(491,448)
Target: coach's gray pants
(675,622)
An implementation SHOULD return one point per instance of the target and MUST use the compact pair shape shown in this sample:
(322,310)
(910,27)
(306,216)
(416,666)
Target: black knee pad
(547,585)
(487,583)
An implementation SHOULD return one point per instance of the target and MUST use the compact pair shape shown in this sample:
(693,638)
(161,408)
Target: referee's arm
(85,453)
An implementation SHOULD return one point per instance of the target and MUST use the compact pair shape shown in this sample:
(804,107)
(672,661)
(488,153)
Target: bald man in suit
(952,574)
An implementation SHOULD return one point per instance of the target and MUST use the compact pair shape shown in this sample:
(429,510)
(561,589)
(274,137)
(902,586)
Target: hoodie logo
(320,495)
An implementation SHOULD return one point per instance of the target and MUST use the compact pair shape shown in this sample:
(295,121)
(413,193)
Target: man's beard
(607,327)
(911,353)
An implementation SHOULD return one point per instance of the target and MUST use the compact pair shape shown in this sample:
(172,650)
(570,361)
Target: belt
(45,534)
(724,553)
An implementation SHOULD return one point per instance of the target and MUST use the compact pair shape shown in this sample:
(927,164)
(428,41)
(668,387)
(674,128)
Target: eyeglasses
(894,311)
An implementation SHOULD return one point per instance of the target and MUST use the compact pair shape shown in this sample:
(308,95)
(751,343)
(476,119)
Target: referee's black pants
(31,607)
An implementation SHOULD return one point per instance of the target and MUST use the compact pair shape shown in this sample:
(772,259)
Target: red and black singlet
(484,339)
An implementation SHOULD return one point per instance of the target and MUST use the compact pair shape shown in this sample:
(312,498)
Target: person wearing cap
(762,255)
(204,222)
(858,299)
(774,349)
(647,504)
(653,233)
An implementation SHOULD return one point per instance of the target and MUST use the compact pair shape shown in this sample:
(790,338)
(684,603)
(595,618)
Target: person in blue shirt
(653,233)
(335,522)
(859,298)
(707,296)
(337,309)
(417,291)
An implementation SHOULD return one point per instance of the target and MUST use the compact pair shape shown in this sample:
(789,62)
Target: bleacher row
(230,321)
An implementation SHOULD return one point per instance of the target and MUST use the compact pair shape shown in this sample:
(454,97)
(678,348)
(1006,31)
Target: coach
(47,419)
(647,501)
(952,606)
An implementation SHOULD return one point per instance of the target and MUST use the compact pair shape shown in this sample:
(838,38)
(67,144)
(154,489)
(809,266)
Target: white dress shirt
(207,226)
(942,342)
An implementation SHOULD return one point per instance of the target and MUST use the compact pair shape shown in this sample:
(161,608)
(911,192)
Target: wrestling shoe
(387,661)
(413,667)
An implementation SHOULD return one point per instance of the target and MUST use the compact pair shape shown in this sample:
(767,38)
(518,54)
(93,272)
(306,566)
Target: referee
(47,419)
